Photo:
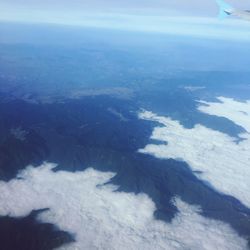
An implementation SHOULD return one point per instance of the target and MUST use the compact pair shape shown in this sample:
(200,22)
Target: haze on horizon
(194,18)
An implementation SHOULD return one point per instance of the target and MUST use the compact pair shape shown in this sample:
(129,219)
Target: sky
(167,16)
(177,7)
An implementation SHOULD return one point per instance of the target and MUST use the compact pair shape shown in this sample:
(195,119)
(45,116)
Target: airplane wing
(244,14)
(227,10)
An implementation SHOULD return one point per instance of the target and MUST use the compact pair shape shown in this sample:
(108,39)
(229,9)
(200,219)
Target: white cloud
(238,112)
(225,163)
(103,219)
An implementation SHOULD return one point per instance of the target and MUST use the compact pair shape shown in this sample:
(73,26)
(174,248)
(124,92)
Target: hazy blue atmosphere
(194,18)
(124,125)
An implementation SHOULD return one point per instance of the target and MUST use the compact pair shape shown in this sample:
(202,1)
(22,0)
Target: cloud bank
(101,218)
(223,160)
(238,112)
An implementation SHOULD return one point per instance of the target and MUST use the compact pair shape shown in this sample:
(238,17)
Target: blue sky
(194,17)
(170,7)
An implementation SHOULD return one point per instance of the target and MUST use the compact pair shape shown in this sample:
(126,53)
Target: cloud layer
(101,218)
(223,160)
(238,112)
